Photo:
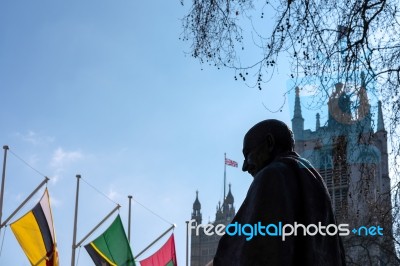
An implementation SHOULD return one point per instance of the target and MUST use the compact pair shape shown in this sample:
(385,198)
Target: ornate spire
(364,108)
(363,83)
(297,120)
(196,214)
(229,198)
(381,125)
(318,124)
(196,204)
(297,107)
(228,209)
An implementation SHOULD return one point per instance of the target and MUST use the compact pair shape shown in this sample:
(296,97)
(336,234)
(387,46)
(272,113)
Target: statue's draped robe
(287,190)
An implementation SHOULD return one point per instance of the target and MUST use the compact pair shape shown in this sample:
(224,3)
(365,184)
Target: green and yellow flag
(35,234)
(112,247)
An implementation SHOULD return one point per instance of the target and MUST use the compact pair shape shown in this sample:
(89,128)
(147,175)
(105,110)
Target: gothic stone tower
(353,160)
(203,247)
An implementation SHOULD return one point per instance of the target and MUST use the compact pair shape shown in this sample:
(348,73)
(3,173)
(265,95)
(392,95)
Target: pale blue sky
(104,89)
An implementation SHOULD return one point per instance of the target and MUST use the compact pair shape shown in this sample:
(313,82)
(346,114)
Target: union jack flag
(231,162)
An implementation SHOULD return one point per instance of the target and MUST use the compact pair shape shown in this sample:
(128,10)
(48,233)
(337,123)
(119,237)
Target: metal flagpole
(187,243)
(3,178)
(97,226)
(129,219)
(24,202)
(78,177)
(152,243)
(223,200)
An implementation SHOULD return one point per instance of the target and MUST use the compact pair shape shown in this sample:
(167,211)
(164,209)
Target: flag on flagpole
(112,247)
(165,256)
(231,162)
(35,234)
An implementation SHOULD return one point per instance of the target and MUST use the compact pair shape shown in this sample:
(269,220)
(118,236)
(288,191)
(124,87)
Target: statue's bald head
(281,133)
(263,142)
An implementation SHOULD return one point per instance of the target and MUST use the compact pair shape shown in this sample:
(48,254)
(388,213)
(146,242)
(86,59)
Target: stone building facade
(352,158)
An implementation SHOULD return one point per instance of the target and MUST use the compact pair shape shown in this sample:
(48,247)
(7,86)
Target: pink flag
(165,256)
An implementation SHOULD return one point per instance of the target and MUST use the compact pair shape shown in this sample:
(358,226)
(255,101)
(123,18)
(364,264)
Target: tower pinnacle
(318,123)
(196,214)
(381,125)
(298,120)
(297,107)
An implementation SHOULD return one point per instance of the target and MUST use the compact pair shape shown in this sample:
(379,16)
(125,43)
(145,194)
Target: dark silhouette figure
(286,190)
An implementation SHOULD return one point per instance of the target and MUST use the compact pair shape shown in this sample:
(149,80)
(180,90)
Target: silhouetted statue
(286,190)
